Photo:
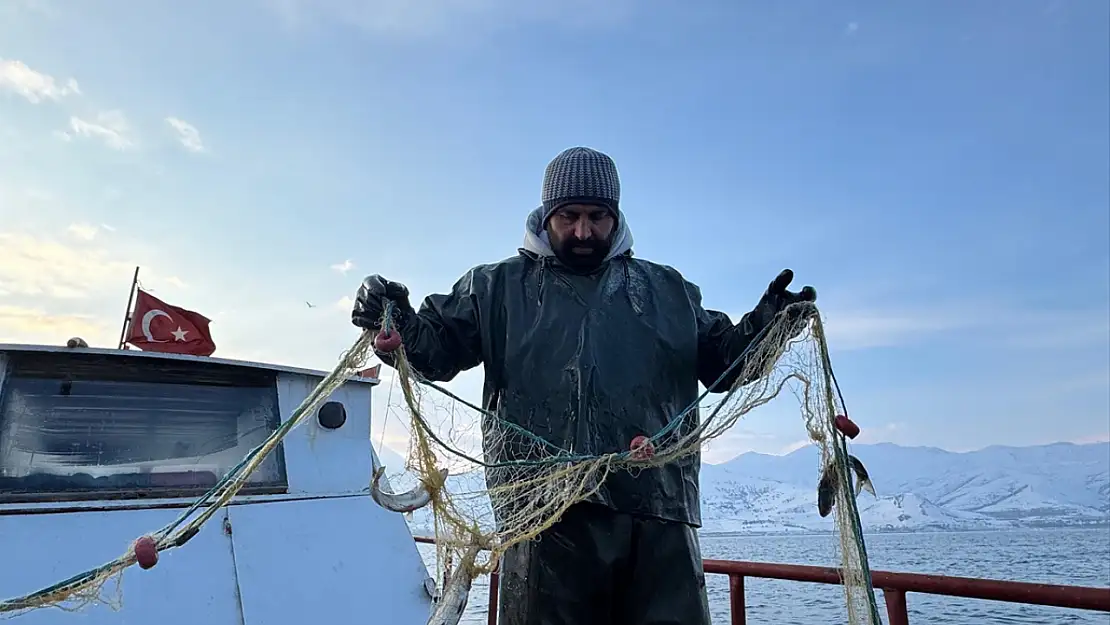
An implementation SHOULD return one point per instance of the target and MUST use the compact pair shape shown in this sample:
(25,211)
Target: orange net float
(146,552)
(642,448)
(846,426)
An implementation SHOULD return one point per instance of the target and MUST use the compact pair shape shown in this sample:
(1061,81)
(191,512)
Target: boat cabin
(101,446)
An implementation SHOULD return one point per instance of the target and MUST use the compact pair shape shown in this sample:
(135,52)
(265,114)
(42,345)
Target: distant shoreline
(939,530)
(1094,525)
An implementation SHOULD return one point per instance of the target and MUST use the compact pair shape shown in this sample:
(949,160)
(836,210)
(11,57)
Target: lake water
(1052,556)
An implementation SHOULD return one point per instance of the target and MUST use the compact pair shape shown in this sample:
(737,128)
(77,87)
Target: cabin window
(88,426)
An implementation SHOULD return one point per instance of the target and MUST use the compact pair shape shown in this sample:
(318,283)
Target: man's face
(581,234)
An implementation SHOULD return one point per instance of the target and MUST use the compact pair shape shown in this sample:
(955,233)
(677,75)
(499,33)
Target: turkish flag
(158,327)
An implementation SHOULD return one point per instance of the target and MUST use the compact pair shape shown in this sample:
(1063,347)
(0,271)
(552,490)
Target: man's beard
(578,260)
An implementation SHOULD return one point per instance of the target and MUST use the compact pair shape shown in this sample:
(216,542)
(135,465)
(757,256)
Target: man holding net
(588,348)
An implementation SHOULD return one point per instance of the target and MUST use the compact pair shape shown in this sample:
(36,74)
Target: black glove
(776,299)
(371,299)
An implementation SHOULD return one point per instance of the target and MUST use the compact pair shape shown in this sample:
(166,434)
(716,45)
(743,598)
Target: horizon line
(949,451)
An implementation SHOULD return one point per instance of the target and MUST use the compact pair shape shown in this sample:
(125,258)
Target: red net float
(846,426)
(387,341)
(642,448)
(146,552)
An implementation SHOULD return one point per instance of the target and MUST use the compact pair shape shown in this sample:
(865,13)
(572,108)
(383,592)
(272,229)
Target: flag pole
(127,313)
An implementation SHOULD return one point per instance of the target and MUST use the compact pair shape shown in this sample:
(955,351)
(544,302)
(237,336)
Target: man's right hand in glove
(371,299)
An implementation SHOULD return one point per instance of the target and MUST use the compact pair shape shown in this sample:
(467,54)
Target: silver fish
(414,499)
(826,488)
(456,592)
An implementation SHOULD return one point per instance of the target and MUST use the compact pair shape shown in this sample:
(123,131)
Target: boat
(100,446)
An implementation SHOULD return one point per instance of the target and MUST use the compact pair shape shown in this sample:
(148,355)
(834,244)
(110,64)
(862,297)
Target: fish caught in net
(529,482)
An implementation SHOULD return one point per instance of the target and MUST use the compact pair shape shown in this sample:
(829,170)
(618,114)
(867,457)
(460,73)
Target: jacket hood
(536,240)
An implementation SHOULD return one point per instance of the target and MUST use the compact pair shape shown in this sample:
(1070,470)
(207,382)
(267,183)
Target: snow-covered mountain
(918,488)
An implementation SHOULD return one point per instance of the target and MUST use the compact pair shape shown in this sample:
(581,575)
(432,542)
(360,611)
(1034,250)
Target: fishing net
(504,485)
(530,482)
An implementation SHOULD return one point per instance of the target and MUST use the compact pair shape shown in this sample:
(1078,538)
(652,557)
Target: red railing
(896,585)
(893,585)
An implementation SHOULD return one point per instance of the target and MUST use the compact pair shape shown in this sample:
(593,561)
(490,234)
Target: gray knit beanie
(580,176)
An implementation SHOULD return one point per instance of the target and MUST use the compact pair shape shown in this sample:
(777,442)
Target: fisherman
(587,347)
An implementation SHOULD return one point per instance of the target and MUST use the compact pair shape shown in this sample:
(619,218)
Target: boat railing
(894,587)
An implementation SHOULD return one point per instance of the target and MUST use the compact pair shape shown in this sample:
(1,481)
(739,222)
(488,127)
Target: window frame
(100,367)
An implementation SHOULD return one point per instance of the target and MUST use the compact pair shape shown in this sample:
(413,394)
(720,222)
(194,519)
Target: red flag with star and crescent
(159,327)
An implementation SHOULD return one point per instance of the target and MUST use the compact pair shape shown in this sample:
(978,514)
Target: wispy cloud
(111,127)
(35,325)
(35,266)
(187,134)
(867,329)
(85,232)
(344,266)
(36,87)
(40,266)
(175,282)
(1055,329)
(859,328)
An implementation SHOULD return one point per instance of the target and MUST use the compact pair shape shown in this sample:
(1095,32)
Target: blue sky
(941,175)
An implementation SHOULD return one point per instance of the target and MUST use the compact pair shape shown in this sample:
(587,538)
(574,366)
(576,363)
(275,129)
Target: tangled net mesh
(507,485)
(529,482)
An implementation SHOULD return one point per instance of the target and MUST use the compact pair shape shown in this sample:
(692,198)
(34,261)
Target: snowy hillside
(923,488)
(918,488)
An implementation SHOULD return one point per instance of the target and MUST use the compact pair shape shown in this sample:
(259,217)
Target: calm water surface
(1080,557)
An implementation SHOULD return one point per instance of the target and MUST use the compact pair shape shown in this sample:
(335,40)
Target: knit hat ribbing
(580,175)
